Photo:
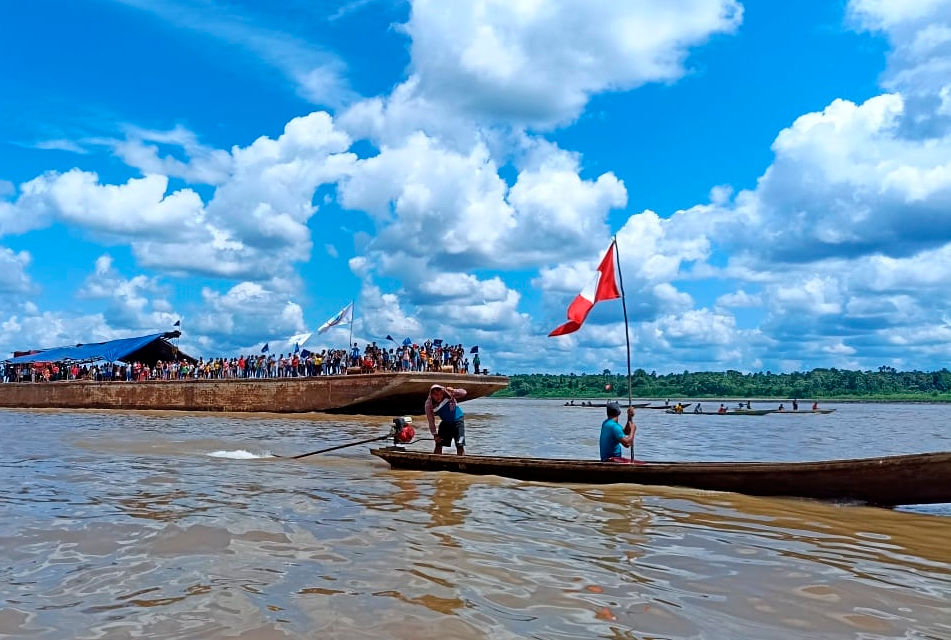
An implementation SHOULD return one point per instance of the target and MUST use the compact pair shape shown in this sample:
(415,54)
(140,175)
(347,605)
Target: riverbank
(884,385)
(674,399)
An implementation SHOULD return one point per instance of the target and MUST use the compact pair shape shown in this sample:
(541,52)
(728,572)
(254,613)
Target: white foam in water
(240,454)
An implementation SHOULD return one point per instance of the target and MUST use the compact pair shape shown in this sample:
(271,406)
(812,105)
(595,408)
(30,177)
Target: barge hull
(369,394)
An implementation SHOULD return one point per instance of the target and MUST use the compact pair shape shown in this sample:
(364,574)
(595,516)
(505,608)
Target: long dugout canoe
(800,411)
(731,412)
(622,403)
(669,406)
(369,394)
(886,481)
(751,412)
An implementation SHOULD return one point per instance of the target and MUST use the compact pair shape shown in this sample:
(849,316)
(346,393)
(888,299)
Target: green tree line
(886,383)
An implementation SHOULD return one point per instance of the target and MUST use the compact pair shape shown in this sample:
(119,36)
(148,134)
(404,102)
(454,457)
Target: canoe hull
(887,481)
(750,412)
(731,412)
(603,405)
(369,394)
(668,407)
(798,411)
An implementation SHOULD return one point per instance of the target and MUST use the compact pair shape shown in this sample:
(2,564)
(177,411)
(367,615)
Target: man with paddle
(441,402)
(613,437)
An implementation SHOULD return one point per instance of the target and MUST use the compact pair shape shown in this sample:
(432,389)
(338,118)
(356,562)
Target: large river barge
(384,393)
(364,393)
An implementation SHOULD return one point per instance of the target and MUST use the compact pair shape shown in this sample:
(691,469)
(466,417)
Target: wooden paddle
(339,446)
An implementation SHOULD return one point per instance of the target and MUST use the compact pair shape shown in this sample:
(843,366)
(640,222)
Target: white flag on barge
(344,316)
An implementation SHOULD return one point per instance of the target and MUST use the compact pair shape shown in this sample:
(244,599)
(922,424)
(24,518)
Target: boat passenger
(781,407)
(722,408)
(698,408)
(613,437)
(441,402)
(795,405)
(815,406)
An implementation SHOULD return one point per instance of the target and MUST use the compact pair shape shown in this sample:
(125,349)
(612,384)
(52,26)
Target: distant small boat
(802,411)
(669,406)
(602,405)
(729,412)
(885,481)
(746,412)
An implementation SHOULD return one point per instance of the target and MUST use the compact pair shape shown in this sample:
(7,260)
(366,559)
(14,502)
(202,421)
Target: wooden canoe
(602,405)
(887,481)
(749,412)
(730,412)
(799,411)
(669,406)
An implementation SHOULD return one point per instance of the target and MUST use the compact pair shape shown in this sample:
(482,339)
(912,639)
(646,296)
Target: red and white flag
(603,287)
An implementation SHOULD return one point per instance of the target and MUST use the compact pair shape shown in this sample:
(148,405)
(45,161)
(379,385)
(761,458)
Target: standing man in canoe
(441,402)
(613,437)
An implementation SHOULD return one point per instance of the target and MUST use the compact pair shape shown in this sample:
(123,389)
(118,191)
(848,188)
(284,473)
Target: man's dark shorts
(453,430)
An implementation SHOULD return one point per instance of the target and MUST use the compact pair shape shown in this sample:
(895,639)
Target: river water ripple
(152,525)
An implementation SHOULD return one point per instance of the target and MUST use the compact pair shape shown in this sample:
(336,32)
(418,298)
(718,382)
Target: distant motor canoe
(370,394)
(745,412)
(602,405)
(729,412)
(798,411)
(669,406)
(887,481)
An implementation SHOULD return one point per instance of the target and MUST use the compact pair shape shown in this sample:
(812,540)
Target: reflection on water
(119,526)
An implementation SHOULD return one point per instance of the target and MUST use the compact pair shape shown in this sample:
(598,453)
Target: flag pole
(353,309)
(627,333)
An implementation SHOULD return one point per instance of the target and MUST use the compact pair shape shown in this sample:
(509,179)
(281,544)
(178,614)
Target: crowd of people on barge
(431,355)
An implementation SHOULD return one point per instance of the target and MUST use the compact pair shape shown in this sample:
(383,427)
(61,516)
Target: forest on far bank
(884,384)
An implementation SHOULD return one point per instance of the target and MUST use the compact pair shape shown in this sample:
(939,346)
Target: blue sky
(778,176)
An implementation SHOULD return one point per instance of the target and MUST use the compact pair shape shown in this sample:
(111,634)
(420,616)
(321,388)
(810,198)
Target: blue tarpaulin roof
(109,351)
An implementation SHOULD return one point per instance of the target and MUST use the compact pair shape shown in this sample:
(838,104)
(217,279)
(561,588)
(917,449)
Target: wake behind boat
(885,481)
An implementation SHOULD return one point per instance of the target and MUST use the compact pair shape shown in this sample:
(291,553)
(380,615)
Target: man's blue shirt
(611,434)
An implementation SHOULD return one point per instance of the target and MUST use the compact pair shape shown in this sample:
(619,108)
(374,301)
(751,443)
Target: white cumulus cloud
(538,63)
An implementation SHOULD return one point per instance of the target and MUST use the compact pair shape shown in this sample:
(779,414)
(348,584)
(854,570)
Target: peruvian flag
(603,287)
